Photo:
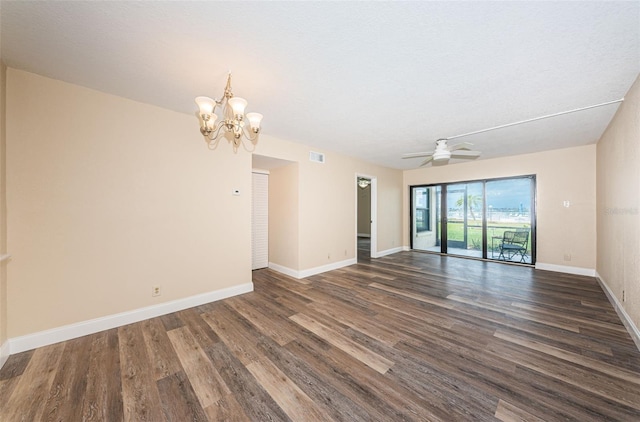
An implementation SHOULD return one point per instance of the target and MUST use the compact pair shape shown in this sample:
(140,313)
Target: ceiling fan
(444,152)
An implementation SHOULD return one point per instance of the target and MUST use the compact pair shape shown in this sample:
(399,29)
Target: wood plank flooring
(411,336)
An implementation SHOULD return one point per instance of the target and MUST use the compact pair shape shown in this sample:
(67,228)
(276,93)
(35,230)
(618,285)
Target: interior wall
(364,211)
(618,193)
(3,208)
(561,175)
(109,197)
(283,216)
(327,203)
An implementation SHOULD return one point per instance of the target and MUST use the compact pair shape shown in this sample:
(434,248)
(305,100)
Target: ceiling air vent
(316,157)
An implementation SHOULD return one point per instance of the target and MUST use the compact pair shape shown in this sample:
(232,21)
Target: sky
(500,193)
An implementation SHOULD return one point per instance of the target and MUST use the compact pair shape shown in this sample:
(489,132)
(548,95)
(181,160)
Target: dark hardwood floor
(411,336)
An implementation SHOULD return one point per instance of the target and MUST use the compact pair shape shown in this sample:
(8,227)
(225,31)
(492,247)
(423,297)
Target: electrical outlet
(567,257)
(156,291)
(623,296)
(328,256)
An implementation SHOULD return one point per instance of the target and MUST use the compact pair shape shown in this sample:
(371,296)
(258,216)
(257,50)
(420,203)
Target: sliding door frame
(443,215)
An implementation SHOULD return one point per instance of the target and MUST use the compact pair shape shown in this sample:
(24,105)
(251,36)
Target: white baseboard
(284,270)
(364,235)
(389,252)
(312,271)
(68,332)
(324,268)
(4,353)
(566,269)
(634,332)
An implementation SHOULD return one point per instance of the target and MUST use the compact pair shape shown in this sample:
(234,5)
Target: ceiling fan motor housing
(441,152)
(441,155)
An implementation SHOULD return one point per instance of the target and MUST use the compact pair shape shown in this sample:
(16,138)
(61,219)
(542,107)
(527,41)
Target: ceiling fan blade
(427,161)
(465,154)
(463,145)
(417,154)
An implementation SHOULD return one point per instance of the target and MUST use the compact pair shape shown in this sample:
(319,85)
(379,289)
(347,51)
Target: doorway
(281,215)
(366,234)
(464,219)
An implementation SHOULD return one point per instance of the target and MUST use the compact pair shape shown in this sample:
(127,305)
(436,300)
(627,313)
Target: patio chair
(514,243)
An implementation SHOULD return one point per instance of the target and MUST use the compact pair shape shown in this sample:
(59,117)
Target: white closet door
(260,221)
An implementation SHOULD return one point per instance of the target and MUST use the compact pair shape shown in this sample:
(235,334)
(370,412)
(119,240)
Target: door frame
(373,252)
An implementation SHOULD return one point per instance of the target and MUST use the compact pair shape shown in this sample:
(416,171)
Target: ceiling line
(535,118)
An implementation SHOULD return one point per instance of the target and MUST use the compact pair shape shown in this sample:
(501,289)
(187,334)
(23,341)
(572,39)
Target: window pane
(423,219)
(464,219)
(509,209)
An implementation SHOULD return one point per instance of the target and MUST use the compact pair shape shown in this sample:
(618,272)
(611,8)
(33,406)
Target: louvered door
(260,221)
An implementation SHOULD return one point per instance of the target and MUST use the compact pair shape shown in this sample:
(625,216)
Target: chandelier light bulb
(238,105)
(206,105)
(254,121)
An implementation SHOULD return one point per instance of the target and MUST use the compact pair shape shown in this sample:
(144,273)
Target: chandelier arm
(251,137)
(215,132)
(213,144)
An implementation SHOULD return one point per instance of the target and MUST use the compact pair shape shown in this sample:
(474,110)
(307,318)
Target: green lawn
(455,231)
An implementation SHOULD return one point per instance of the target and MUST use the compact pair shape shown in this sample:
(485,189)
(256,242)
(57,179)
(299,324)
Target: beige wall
(327,204)
(618,187)
(3,208)
(364,210)
(108,197)
(283,216)
(561,175)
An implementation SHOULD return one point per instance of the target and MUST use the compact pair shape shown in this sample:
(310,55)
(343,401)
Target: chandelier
(232,125)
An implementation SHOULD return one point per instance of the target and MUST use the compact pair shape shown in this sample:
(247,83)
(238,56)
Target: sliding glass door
(464,219)
(510,205)
(490,219)
(425,213)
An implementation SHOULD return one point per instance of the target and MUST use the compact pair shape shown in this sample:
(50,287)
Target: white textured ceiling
(368,79)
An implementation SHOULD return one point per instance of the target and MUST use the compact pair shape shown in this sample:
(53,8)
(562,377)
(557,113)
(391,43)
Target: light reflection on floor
(474,253)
